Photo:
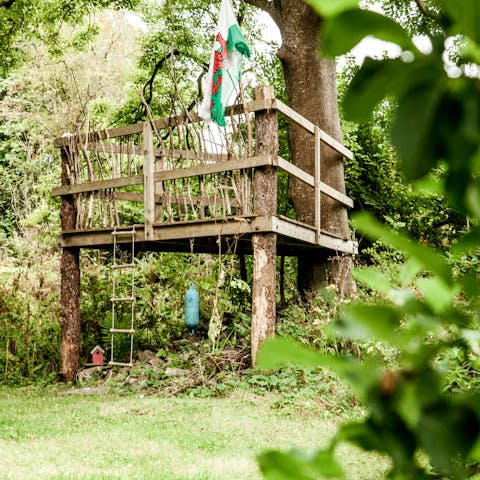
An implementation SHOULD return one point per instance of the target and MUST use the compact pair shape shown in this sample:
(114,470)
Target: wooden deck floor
(293,238)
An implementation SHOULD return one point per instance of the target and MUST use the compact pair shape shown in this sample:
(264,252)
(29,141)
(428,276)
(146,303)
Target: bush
(29,312)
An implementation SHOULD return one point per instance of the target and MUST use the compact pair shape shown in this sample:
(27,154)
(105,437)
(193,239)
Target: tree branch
(156,68)
(421,6)
(263,4)
(269,6)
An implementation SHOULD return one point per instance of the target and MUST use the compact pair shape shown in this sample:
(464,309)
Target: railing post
(264,244)
(318,212)
(148,181)
(70,285)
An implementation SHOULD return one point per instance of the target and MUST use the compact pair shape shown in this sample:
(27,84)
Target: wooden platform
(178,184)
(293,238)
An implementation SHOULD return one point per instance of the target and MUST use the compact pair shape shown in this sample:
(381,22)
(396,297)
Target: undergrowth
(191,372)
(30,321)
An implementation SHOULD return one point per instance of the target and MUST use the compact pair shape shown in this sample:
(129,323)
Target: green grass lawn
(50,435)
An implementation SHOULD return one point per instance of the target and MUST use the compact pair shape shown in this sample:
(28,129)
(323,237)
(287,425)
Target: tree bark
(311,88)
(70,288)
(264,245)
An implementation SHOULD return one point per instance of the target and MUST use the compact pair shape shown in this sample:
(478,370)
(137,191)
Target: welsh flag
(225,65)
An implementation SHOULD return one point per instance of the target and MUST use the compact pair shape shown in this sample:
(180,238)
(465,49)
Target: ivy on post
(70,285)
(264,245)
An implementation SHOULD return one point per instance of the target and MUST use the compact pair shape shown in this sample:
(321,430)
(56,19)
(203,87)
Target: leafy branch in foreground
(429,428)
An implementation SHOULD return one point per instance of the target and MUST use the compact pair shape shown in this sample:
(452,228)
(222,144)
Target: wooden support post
(318,213)
(148,180)
(264,244)
(263,291)
(70,287)
(158,190)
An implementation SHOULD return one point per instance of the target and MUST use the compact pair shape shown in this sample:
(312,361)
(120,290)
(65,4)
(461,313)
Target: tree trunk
(70,298)
(70,288)
(264,245)
(311,88)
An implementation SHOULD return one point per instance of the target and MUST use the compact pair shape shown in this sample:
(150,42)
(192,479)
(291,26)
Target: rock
(130,380)
(176,372)
(145,356)
(89,373)
(155,361)
(86,391)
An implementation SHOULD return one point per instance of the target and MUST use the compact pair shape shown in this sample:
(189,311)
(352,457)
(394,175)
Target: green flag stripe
(227,75)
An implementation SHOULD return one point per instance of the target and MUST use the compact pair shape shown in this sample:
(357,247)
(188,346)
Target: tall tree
(310,81)
(178,29)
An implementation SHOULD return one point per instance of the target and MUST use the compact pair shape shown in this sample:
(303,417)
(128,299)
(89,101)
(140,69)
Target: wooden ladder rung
(123,299)
(126,232)
(131,331)
(120,364)
(123,265)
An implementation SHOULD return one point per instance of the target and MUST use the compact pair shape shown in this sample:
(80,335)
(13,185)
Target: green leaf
(427,257)
(471,51)
(362,377)
(294,465)
(467,243)
(276,352)
(360,434)
(475,452)
(472,199)
(413,130)
(373,82)
(374,279)
(437,294)
(326,465)
(342,32)
(370,321)
(282,466)
(409,408)
(472,337)
(430,185)
(416,393)
(449,430)
(409,270)
(465,14)
(391,437)
(330,8)
(470,287)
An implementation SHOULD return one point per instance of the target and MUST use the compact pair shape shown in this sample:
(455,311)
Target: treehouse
(176,184)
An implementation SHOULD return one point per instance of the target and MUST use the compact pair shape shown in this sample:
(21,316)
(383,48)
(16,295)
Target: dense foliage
(423,214)
(426,424)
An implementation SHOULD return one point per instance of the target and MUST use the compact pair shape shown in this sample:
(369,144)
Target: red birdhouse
(97,355)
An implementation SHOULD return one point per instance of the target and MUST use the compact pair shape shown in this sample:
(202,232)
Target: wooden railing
(180,170)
